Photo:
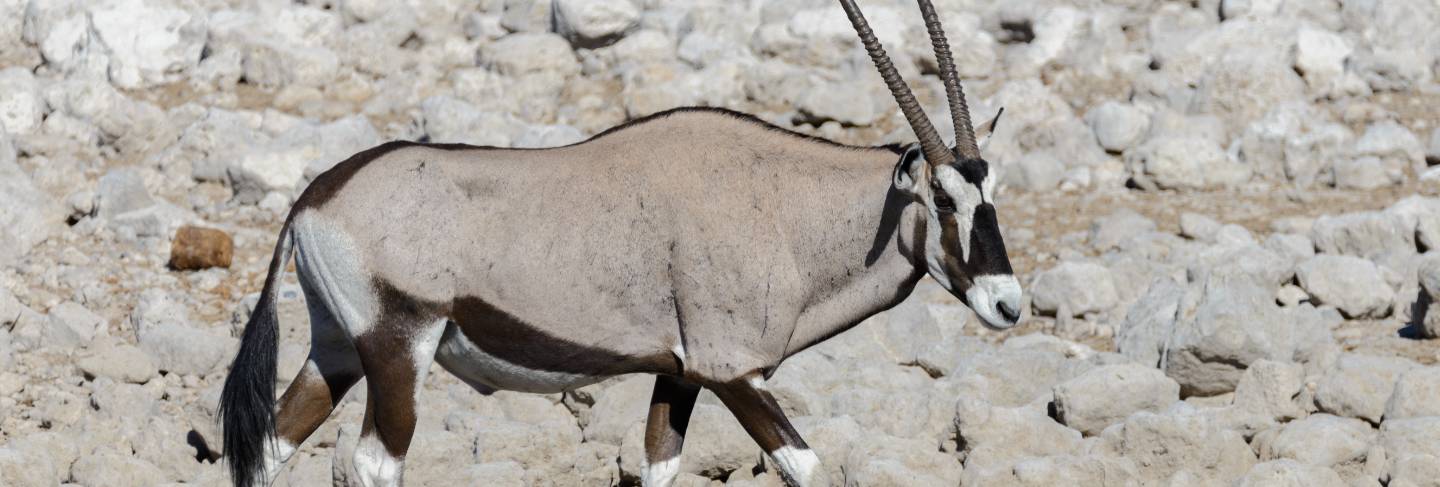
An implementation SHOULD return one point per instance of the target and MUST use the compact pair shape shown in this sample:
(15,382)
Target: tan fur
(749,242)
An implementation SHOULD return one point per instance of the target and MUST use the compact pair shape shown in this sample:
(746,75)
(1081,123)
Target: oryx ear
(910,169)
(988,129)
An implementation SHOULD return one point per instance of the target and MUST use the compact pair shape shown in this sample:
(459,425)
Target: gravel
(1225,214)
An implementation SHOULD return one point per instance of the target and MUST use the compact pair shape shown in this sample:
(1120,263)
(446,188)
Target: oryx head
(963,248)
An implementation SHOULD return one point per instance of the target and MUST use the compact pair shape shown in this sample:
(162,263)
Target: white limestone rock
(1414,440)
(1423,213)
(523,53)
(148,44)
(1353,285)
(117,467)
(594,23)
(21,106)
(617,407)
(849,102)
(28,215)
(1295,142)
(1322,440)
(284,48)
(1417,394)
(1363,234)
(887,460)
(1078,287)
(1359,386)
(1289,473)
(1118,228)
(1206,334)
(20,467)
(1199,227)
(1320,58)
(1178,440)
(1037,171)
(1179,162)
(120,191)
(71,326)
(1063,469)
(1118,126)
(164,331)
(121,362)
(1242,85)
(1272,389)
(1396,150)
(1107,394)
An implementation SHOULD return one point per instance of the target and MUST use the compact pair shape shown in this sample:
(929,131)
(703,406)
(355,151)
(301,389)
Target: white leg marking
(660,474)
(679,350)
(275,455)
(757,382)
(798,464)
(374,467)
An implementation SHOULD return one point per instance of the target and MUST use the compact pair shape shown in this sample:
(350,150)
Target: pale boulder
(1107,394)
(1077,287)
(1359,386)
(594,23)
(1353,285)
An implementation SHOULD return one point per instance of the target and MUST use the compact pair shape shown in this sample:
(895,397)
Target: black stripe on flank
(510,338)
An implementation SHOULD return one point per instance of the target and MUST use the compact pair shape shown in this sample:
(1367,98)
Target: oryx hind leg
(761,416)
(396,354)
(670,406)
(329,372)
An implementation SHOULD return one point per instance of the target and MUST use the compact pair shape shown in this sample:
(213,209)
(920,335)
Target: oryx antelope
(703,246)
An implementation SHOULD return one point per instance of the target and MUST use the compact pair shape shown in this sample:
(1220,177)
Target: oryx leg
(670,407)
(396,356)
(331,369)
(761,416)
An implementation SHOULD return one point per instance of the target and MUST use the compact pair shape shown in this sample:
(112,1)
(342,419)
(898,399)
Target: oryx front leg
(396,358)
(761,416)
(670,408)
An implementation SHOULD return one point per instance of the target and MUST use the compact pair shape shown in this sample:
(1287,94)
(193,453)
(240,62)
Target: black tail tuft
(247,404)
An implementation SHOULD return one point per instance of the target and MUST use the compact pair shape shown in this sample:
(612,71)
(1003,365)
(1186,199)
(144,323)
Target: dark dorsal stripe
(326,185)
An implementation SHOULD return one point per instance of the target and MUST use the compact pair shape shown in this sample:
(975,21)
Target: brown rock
(196,248)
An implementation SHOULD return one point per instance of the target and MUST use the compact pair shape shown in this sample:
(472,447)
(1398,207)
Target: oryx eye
(944,203)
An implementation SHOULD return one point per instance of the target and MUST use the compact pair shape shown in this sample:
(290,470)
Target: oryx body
(704,246)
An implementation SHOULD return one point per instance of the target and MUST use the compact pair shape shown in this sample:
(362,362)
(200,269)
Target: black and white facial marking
(967,255)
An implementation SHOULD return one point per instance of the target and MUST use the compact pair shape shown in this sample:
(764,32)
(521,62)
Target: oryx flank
(703,246)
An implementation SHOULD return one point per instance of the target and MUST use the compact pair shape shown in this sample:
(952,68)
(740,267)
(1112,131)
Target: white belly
(461,357)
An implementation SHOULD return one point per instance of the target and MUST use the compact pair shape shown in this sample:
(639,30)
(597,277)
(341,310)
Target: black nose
(1011,314)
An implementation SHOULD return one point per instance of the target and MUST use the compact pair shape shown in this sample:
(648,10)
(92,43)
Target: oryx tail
(247,404)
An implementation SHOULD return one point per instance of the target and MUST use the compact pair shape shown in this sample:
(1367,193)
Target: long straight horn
(930,141)
(959,111)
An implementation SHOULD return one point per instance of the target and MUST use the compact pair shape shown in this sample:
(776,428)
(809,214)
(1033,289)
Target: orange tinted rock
(197,248)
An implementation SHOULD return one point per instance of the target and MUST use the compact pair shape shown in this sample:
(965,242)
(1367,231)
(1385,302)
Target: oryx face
(963,248)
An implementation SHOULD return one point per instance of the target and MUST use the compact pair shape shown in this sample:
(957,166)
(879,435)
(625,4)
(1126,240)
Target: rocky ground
(1224,213)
